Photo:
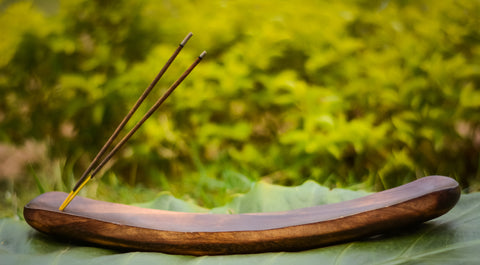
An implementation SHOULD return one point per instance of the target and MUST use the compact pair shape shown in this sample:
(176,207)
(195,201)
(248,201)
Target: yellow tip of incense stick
(66,201)
(73,194)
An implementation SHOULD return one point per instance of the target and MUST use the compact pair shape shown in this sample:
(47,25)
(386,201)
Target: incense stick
(86,176)
(149,113)
(132,111)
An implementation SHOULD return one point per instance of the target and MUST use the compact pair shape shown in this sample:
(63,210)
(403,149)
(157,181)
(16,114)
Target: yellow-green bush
(342,93)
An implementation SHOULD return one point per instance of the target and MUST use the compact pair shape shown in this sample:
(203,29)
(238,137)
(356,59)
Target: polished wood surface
(135,228)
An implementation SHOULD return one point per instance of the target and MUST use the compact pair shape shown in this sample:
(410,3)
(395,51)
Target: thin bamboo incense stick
(150,112)
(81,183)
(131,112)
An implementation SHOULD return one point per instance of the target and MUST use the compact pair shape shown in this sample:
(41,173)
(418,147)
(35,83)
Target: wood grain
(134,228)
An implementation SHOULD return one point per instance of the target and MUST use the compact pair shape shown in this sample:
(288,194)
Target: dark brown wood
(135,228)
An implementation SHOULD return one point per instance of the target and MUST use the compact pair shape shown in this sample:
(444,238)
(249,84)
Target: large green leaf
(450,239)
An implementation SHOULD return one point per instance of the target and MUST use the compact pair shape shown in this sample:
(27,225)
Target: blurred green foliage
(373,92)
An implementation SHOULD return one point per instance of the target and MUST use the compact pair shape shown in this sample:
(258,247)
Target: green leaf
(167,202)
(450,239)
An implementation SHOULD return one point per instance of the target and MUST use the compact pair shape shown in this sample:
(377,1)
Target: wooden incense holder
(134,228)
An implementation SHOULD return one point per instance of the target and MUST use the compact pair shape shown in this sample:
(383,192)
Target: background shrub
(371,92)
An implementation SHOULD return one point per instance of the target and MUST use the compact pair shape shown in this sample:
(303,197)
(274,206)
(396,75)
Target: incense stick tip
(202,54)
(186,39)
